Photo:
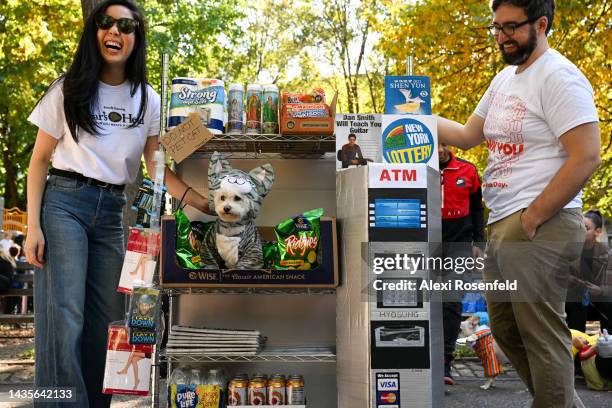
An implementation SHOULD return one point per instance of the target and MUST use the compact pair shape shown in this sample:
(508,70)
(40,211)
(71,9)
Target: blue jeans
(76,292)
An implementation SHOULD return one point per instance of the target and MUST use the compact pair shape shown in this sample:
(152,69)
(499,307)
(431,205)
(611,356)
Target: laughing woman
(94,124)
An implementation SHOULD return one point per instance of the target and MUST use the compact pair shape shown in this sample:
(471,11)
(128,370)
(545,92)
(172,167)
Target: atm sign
(398,175)
(388,175)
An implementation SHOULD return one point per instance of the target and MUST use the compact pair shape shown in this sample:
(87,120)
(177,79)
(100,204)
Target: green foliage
(346,47)
(37,39)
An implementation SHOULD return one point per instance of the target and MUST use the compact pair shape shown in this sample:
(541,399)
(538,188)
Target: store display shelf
(252,291)
(302,355)
(323,276)
(271,143)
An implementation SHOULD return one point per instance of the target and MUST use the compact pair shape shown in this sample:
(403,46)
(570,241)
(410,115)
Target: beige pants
(529,323)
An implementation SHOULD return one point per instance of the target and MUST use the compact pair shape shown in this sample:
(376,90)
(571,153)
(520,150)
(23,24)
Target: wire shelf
(264,356)
(253,291)
(292,145)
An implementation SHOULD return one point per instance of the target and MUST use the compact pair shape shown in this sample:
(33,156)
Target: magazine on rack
(213,331)
(214,342)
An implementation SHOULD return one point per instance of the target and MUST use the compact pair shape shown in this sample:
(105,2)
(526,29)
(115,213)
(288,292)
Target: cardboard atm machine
(389,332)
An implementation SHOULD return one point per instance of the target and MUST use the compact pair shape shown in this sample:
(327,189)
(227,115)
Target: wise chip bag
(270,250)
(298,241)
(189,237)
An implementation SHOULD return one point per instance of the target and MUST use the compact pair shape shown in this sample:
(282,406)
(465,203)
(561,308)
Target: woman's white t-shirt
(112,156)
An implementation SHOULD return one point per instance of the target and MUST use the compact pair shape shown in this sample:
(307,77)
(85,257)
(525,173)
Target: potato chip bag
(270,251)
(189,236)
(298,241)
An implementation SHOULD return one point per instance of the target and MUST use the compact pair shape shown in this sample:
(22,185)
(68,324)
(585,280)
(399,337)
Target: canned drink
(295,390)
(238,391)
(270,109)
(235,109)
(257,391)
(253,114)
(276,390)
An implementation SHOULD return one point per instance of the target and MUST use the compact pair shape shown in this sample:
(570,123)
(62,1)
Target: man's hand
(594,290)
(477,252)
(530,223)
(355,161)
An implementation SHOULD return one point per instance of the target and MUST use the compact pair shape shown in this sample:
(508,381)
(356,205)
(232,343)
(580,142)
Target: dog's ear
(264,178)
(218,164)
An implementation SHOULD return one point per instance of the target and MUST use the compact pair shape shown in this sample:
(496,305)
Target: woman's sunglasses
(124,25)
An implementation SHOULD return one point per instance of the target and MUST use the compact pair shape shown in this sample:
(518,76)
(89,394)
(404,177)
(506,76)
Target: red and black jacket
(461,196)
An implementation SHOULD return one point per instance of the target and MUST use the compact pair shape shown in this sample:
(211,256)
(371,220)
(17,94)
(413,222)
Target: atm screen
(398,213)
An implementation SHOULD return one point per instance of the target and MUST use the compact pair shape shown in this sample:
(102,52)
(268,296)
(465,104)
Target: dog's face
(232,202)
(231,207)
(235,195)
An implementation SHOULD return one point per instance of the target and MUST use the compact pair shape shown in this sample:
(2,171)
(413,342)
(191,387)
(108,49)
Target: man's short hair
(532,8)
(352,135)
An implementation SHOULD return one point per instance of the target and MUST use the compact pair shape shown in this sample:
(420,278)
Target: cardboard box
(325,275)
(309,126)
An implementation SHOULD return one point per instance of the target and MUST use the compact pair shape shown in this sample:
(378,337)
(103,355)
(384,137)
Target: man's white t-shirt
(525,115)
(112,156)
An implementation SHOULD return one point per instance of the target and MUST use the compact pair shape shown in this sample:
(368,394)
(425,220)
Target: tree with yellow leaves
(451,44)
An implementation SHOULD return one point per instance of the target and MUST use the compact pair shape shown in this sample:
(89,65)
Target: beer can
(235,109)
(238,391)
(253,108)
(270,109)
(295,390)
(257,391)
(276,390)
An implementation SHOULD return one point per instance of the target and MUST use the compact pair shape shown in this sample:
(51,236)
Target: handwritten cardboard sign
(186,138)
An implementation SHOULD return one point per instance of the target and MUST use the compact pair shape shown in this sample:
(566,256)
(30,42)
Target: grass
(27,355)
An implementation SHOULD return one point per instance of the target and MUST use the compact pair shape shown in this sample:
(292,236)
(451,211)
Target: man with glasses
(539,120)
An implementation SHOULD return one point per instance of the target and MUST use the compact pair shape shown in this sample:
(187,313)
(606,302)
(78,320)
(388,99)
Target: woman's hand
(35,247)
(199,202)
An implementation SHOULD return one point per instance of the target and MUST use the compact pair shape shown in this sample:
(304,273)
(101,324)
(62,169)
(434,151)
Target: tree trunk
(87,6)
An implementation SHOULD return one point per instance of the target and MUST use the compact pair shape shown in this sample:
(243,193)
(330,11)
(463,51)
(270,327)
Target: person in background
(594,354)
(350,154)
(462,235)
(94,124)
(6,242)
(540,124)
(590,288)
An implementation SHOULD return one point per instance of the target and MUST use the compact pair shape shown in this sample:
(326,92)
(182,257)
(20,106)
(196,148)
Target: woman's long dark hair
(80,82)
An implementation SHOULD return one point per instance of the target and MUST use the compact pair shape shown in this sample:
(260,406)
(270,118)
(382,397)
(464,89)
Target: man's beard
(522,52)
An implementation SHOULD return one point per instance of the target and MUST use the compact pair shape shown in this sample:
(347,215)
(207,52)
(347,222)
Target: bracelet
(184,195)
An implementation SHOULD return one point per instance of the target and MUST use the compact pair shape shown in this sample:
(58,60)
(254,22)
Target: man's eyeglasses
(509,28)
(124,25)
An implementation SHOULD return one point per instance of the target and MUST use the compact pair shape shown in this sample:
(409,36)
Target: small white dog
(476,333)
(236,197)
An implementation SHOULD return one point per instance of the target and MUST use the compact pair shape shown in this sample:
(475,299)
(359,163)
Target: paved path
(508,391)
